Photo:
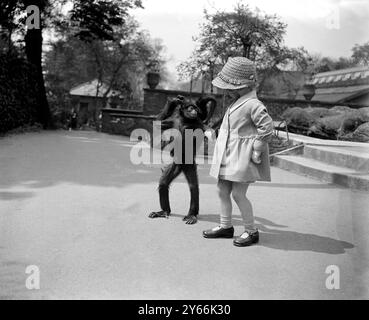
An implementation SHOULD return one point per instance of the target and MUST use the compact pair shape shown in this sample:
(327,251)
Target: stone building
(87,102)
(342,86)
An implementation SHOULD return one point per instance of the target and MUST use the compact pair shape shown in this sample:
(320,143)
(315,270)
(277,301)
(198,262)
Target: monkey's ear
(206,113)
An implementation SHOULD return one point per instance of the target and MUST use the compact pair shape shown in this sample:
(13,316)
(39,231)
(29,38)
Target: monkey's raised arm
(170,107)
(167,124)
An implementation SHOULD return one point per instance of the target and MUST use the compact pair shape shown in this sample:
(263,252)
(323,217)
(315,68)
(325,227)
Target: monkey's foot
(159,214)
(190,219)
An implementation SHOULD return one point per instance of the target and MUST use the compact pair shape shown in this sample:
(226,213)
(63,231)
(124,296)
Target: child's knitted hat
(237,73)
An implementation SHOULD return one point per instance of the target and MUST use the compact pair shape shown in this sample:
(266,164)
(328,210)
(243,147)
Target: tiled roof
(349,76)
(88,89)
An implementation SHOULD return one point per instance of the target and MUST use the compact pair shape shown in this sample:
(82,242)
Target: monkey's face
(191,111)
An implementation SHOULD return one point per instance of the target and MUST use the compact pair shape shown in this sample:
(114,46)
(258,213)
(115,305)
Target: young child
(241,154)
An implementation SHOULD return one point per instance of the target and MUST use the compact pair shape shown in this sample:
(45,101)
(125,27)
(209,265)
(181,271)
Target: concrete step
(297,138)
(345,177)
(349,157)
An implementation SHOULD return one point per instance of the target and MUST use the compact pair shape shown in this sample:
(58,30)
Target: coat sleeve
(264,125)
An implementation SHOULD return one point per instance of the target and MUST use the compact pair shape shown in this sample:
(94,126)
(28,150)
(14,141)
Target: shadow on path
(287,240)
(7,195)
(296,185)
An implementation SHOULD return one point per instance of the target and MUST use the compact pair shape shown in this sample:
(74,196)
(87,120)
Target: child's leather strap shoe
(247,239)
(219,232)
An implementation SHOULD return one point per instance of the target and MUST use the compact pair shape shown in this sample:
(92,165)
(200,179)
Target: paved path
(72,204)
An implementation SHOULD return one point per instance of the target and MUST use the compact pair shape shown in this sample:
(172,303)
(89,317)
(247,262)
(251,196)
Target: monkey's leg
(169,174)
(190,172)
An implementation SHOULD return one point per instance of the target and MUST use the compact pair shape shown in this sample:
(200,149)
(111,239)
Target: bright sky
(329,27)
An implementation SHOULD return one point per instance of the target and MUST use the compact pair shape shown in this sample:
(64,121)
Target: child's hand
(255,157)
(210,134)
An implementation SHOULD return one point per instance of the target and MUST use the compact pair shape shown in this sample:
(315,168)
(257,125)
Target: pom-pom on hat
(237,73)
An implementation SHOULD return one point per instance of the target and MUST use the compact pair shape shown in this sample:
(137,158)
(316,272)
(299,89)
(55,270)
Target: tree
(92,20)
(9,9)
(33,47)
(201,64)
(104,25)
(325,64)
(242,32)
(360,54)
(96,19)
(29,42)
(120,63)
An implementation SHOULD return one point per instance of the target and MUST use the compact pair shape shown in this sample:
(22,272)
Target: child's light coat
(246,125)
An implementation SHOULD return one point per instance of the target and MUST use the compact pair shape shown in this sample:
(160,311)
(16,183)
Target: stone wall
(123,122)
(155,100)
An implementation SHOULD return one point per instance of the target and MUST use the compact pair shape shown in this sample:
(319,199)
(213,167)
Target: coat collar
(242,100)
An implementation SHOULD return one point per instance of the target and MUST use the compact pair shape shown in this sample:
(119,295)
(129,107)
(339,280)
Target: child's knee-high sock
(224,192)
(244,204)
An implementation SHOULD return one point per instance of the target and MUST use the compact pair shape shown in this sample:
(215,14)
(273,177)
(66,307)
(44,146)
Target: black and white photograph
(183,151)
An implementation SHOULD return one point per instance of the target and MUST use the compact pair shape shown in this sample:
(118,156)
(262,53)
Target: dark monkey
(206,105)
(181,115)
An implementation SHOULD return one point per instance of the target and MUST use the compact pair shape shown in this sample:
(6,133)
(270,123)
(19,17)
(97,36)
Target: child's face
(237,93)
(233,94)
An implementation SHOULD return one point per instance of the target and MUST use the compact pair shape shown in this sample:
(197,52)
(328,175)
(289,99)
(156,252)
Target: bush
(26,129)
(317,113)
(324,123)
(18,92)
(340,110)
(298,120)
(332,127)
(361,134)
(364,113)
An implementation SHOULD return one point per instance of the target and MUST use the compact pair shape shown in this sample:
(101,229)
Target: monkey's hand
(159,214)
